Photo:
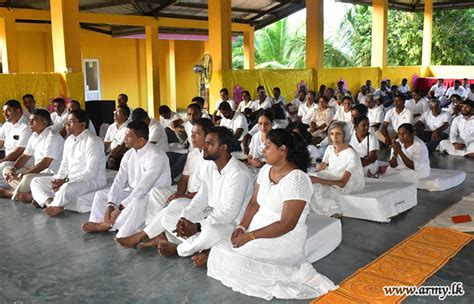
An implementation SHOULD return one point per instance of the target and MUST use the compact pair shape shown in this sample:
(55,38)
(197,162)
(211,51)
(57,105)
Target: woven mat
(465,206)
(410,263)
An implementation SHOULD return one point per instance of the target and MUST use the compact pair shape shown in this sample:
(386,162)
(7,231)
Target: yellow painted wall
(188,53)
(33,52)
(460,71)
(396,74)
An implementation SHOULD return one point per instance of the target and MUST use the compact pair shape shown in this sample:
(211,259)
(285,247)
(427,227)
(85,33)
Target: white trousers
(209,235)
(41,190)
(157,200)
(155,227)
(446,145)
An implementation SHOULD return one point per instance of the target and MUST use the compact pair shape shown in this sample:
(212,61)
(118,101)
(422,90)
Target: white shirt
(27,114)
(238,121)
(252,105)
(157,135)
(256,147)
(194,161)
(116,135)
(341,115)
(418,154)
(15,135)
(168,123)
(266,104)
(462,130)
(59,120)
(460,91)
(376,115)
(396,120)
(226,193)
(140,171)
(469,95)
(188,128)
(46,144)
(230,101)
(83,159)
(403,89)
(306,112)
(281,100)
(361,98)
(417,107)
(438,90)
(369,143)
(294,106)
(432,122)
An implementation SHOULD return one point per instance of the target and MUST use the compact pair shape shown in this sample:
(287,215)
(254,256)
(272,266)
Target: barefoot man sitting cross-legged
(211,215)
(82,168)
(143,167)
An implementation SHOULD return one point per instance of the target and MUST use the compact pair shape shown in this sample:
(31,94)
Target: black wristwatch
(198,226)
(66,179)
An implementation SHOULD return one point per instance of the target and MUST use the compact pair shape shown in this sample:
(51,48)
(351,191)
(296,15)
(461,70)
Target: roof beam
(103,5)
(204,6)
(157,10)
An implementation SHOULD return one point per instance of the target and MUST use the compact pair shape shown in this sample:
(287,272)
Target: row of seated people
(140,193)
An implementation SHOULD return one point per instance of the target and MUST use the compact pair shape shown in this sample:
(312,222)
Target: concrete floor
(45,260)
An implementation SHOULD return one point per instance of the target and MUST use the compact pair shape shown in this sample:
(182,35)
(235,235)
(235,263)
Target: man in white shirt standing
(236,122)
(29,103)
(114,138)
(213,212)
(461,135)
(82,168)
(123,206)
(14,136)
(438,90)
(45,147)
(59,116)
(395,117)
(157,134)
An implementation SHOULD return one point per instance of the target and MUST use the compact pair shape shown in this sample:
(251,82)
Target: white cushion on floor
(324,235)
(442,179)
(379,200)
(83,204)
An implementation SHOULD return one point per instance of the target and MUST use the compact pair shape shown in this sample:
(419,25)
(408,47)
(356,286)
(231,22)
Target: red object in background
(424,84)
(461,218)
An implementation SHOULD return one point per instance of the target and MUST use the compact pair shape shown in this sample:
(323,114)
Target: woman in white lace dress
(340,172)
(265,256)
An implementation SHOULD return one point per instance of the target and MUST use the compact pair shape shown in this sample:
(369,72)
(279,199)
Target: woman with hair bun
(265,255)
(340,172)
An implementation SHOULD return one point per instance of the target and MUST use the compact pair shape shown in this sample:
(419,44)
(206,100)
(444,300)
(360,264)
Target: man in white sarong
(212,214)
(123,206)
(45,147)
(176,197)
(14,136)
(82,168)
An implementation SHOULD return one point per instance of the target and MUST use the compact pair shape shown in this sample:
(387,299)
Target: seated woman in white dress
(265,255)
(265,122)
(366,145)
(409,160)
(320,119)
(340,172)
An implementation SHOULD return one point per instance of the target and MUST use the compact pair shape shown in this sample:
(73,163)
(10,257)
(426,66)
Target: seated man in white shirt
(370,88)
(236,122)
(404,89)
(277,97)
(201,102)
(433,125)
(225,97)
(168,119)
(306,109)
(456,89)
(123,206)
(469,93)
(461,135)
(188,185)
(384,94)
(417,105)
(14,136)
(59,116)
(293,106)
(114,138)
(375,112)
(395,117)
(82,168)
(29,103)
(157,134)
(75,105)
(438,90)
(45,147)
(213,212)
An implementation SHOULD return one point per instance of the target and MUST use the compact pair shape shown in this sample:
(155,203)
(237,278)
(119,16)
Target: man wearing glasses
(114,138)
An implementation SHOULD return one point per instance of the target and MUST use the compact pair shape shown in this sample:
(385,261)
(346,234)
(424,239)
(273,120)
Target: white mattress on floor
(442,179)
(324,235)
(379,200)
(83,204)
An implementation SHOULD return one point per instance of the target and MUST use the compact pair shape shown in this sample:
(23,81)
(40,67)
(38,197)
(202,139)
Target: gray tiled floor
(46,260)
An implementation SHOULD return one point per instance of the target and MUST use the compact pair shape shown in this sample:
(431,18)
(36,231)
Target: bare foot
(35,204)
(167,249)
(133,240)
(53,211)
(24,197)
(200,260)
(6,193)
(91,227)
(337,216)
(152,242)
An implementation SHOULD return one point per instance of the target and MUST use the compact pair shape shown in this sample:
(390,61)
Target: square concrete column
(427,35)
(315,34)
(379,33)
(249,49)
(8,44)
(152,68)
